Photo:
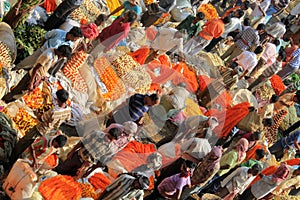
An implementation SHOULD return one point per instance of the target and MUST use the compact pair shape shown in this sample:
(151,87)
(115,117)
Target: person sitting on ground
(95,148)
(134,109)
(50,120)
(126,186)
(38,73)
(52,39)
(172,186)
(43,147)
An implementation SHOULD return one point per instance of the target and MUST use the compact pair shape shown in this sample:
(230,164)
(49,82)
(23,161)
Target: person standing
(246,39)
(113,34)
(191,25)
(266,185)
(212,29)
(292,66)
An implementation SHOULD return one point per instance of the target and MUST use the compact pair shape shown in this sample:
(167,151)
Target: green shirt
(231,159)
(189,27)
(250,163)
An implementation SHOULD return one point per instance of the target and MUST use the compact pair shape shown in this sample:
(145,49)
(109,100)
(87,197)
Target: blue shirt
(55,38)
(296,59)
(137,107)
(137,9)
(289,140)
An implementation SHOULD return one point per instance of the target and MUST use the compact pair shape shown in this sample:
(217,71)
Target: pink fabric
(281,173)
(180,117)
(216,151)
(113,34)
(241,147)
(269,54)
(90,31)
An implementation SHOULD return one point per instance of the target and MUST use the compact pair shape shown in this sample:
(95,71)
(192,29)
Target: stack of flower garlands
(132,74)
(277,84)
(71,71)
(88,191)
(24,121)
(35,99)
(60,187)
(88,11)
(209,11)
(99,181)
(109,77)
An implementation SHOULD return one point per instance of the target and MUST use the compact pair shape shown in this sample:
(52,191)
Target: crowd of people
(217,127)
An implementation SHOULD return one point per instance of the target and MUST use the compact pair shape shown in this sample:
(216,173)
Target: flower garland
(109,77)
(71,71)
(209,11)
(24,121)
(88,191)
(99,181)
(141,54)
(35,99)
(60,187)
(277,84)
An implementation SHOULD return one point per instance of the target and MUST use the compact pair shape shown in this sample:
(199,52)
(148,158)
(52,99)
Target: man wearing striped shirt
(134,109)
(247,39)
(269,71)
(292,66)
(126,186)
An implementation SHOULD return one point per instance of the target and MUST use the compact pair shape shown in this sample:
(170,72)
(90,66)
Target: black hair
(257,135)
(260,153)
(282,55)
(241,13)
(114,132)
(61,140)
(247,21)
(200,15)
(274,98)
(76,32)
(154,97)
(268,122)
(276,42)
(62,95)
(256,169)
(233,65)
(298,96)
(101,17)
(131,16)
(261,27)
(65,50)
(246,4)
(189,164)
(227,20)
(258,50)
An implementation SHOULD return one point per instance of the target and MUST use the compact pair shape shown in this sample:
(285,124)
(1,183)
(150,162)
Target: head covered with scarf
(241,147)
(90,31)
(217,153)
(281,173)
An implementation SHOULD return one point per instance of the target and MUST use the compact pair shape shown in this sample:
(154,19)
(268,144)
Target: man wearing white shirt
(248,60)
(166,39)
(238,180)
